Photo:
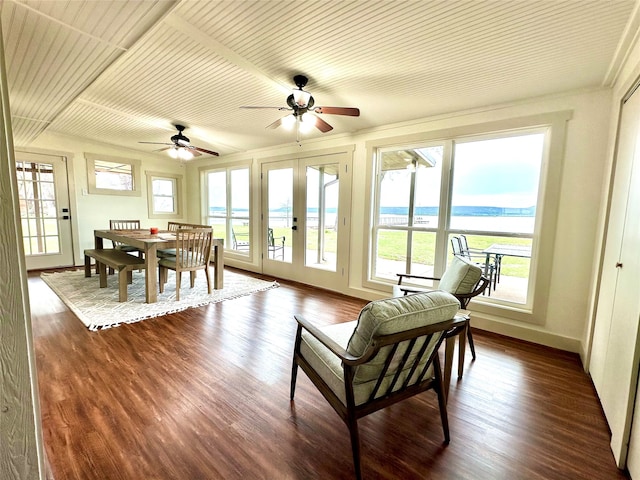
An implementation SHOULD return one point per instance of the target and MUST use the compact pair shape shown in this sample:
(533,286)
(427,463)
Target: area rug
(98,308)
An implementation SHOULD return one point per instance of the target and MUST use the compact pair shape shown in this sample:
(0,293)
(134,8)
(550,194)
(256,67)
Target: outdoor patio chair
(239,244)
(459,250)
(492,268)
(463,279)
(273,247)
(387,355)
(193,250)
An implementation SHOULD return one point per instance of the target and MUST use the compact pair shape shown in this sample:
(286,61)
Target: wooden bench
(120,261)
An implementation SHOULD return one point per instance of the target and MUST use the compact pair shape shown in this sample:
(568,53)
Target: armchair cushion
(325,362)
(460,277)
(398,314)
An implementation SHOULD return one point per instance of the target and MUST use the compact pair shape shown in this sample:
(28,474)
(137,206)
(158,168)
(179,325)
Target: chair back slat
(123,225)
(401,366)
(408,365)
(384,370)
(414,367)
(193,247)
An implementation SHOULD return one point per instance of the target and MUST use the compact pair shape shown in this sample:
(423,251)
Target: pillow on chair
(460,277)
(398,314)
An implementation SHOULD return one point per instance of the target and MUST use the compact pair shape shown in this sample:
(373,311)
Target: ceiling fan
(302,105)
(181,148)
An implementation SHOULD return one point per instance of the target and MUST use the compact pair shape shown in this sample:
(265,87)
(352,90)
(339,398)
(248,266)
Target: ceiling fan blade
(162,149)
(195,152)
(270,108)
(157,143)
(204,150)
(275,124)
(323,126)
(350,111)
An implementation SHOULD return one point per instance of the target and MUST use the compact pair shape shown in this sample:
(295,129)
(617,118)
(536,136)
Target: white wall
(584,171)
(90,211)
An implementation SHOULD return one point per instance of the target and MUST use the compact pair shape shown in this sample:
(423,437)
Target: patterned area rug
(99,308)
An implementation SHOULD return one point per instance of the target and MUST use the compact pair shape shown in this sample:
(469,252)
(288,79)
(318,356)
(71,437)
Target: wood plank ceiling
(120,72)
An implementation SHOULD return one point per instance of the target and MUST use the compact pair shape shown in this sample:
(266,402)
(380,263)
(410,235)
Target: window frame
(91,159)
(555,126)
(245,255)
(177,180)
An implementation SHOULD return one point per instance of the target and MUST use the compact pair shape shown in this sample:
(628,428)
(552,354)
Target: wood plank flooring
(204,394)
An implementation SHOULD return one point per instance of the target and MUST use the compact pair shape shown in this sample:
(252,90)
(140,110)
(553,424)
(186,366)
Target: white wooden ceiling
(121,72)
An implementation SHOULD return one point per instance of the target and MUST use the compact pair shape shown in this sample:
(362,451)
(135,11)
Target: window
(489,186)
(227,207)
(164,195)
(408,209)
(112,176)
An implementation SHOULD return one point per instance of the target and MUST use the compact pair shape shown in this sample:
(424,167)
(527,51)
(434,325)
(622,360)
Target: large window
(228,207)
(483,188)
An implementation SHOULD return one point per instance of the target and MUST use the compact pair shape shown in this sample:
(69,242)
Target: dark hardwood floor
(204,394)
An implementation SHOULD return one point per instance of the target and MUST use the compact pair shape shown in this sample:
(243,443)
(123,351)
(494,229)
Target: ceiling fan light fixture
(185,154)
(173,152)
(301,97)
(288,122)
(307,122)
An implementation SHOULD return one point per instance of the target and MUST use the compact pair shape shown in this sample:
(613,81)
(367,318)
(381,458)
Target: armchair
(464,280)
(388,355)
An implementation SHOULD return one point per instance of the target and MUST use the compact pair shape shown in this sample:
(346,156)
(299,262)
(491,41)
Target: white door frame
(66,255)
(295,269)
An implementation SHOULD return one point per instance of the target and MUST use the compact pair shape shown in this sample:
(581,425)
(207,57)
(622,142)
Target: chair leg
(442,401)
(294,376)
(161,273)
(192,278)
(352,423)
(471,345)
(206,274)
(461,350)
(178,282)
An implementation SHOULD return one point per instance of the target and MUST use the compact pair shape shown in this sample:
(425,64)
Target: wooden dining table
(149,243)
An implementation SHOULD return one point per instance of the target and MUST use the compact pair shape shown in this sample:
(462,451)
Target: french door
(44,210)
(305,210)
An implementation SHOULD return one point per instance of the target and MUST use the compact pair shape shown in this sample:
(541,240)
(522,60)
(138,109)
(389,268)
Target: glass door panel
(44,210)
(321,236)
(280,219)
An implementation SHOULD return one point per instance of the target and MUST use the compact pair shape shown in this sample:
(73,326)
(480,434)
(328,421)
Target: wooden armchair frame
(463,298)
(396,391)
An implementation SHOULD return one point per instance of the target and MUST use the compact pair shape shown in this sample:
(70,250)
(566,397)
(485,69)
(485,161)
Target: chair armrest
(327,341)
(407,275)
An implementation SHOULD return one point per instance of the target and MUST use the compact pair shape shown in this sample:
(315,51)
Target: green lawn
(392,246)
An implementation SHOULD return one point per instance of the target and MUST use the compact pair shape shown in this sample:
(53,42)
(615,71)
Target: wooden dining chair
(125,225)
(193,250)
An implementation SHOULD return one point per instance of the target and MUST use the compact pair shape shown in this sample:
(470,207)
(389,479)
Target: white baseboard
(528,333)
